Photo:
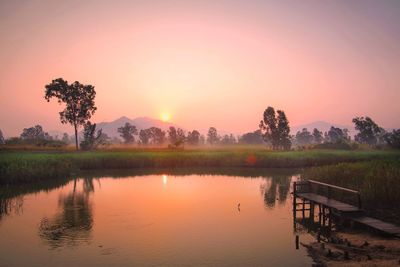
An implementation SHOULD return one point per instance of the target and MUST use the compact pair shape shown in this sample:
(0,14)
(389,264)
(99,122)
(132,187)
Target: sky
(204,63)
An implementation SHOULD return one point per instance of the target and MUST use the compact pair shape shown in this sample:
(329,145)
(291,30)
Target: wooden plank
(377,224)
(331,203)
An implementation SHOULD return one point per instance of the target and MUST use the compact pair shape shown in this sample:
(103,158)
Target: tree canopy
(193,137)
(176,136)
(368,130)
(34,133)
(2,141)
(127,132)
(91,138)
(251,138)
(212,136)
(78,99)
(275,129)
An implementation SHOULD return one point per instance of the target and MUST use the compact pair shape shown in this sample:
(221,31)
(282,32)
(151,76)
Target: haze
(204,63)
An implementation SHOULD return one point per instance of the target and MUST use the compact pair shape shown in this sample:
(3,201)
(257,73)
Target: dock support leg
(319,214)
(312,211)
(323,216)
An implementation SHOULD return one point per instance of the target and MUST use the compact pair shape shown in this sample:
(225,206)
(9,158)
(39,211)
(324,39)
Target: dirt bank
(355,248)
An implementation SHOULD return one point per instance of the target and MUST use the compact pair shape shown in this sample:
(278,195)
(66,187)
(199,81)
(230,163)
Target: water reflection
(276,189)
(157,220)
(73,222)
(10,206)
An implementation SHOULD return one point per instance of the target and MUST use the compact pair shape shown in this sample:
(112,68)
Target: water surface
(152,220)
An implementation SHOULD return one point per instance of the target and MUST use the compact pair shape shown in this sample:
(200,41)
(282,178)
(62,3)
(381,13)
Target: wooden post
(297,242)
(323,216)
(312,211)
(303,207)
(294,197)
(319,214)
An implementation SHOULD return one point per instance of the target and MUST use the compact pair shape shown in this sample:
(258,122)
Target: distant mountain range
(110,128)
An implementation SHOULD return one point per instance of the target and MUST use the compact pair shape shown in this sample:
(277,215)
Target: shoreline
(355,248)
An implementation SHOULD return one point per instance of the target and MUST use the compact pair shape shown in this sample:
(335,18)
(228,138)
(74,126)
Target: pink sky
(207,63)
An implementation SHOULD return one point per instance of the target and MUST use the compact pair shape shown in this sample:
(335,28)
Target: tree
(144,136)
(35,133)
(2,141)
(78,100)
(337,135)
(228,139)
(176,136)
(65,138)
(212,136)
(275,129)
(393,138)
(269,129)
(317,136)
(152,135)
(193,137)
(304,137)
(157,135)
(369,131)
(127,133)
(251,138)
(284,131)
(91,138)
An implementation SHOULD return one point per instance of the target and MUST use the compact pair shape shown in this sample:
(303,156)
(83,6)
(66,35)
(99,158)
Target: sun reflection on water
(165,179)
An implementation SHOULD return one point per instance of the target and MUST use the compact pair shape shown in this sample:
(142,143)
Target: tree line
(274,129)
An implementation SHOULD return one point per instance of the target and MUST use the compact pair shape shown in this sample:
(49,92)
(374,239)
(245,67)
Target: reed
(26,166)
(377,180)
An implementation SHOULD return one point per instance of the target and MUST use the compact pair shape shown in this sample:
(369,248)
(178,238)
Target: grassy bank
(377,180)
(25,166)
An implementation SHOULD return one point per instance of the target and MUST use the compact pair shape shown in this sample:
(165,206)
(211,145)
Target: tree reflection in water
(10,205)
(276,189)
(72,225)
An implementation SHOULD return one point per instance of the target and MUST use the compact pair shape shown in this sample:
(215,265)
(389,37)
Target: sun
(165,116)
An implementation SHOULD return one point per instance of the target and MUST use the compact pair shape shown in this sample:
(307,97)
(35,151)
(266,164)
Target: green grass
(26,166)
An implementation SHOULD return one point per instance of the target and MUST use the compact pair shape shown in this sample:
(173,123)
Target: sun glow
(165,116)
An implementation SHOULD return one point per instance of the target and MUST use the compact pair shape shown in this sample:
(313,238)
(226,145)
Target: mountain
(323,126)
(110,128)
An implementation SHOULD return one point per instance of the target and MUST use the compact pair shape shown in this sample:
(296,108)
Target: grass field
(24,166)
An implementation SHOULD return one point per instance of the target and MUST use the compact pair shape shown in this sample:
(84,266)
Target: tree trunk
(76,137)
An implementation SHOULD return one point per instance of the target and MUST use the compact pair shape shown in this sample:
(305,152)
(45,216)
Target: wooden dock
(326,198)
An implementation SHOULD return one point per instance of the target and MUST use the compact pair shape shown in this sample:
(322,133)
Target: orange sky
(207,63)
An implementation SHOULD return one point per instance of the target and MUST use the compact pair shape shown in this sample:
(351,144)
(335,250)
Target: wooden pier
(335,202)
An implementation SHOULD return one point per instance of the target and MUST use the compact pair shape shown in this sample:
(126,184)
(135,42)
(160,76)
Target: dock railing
(328,190)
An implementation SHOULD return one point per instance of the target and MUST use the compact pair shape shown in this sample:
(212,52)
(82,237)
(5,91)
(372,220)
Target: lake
(159,219)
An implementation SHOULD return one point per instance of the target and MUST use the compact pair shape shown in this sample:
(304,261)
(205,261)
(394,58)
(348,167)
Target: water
(152,220)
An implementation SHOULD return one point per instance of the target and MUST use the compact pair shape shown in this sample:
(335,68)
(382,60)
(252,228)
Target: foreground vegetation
(26,166)
(377,180)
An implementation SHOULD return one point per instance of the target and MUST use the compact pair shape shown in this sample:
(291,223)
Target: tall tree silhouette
(2,141)
(369,131)
(193,137)
(78,99)
(275,129)
(212,136)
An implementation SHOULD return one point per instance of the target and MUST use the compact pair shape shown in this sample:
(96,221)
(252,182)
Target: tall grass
(377,180)
(24,166)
